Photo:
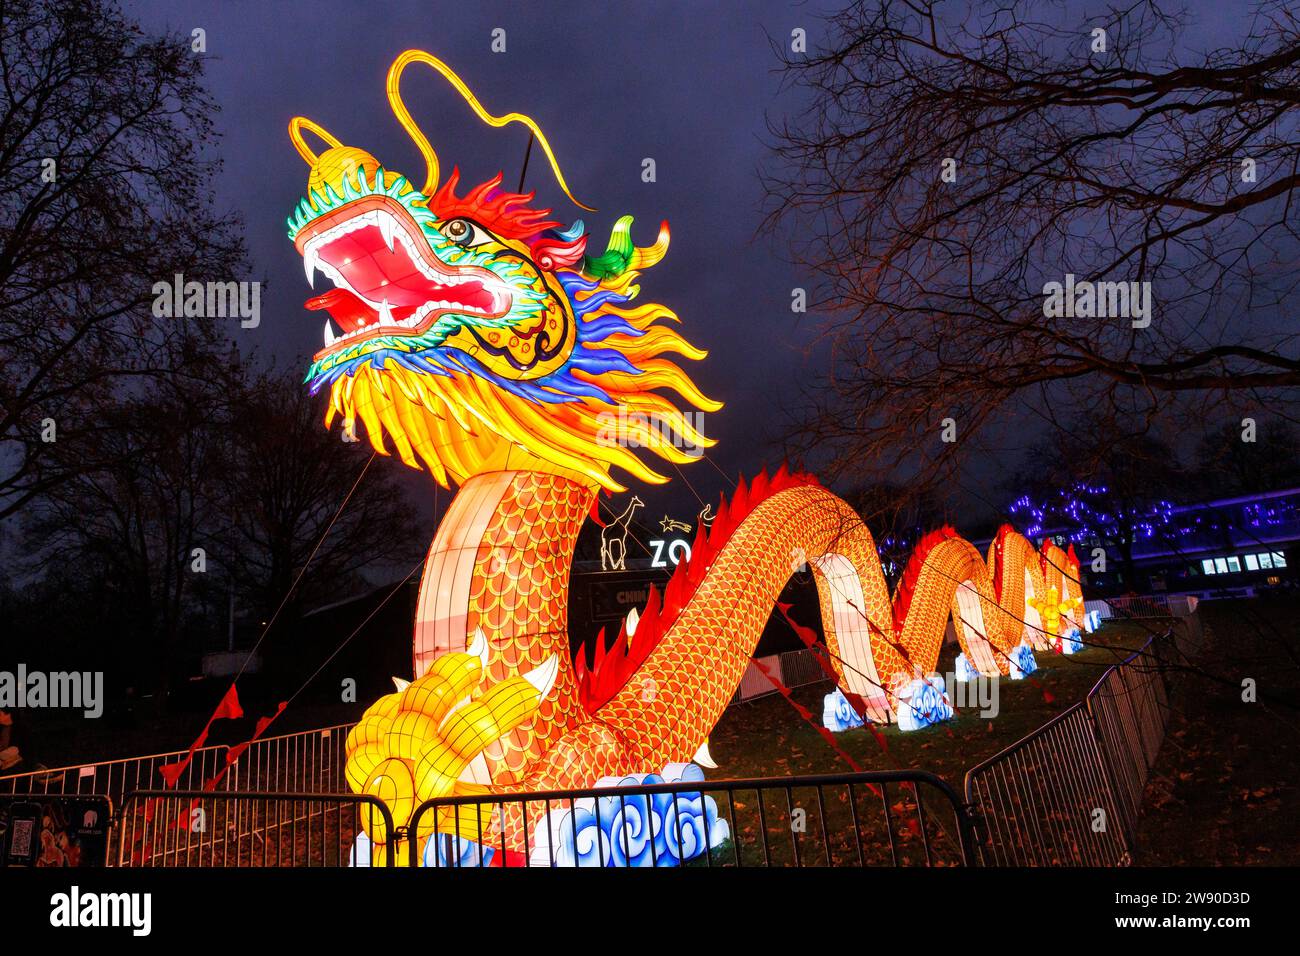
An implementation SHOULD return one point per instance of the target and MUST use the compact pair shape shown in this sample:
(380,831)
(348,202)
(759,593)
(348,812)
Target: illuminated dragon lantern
(486,344)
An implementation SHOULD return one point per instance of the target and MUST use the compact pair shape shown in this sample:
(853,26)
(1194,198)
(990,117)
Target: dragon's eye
(465,232)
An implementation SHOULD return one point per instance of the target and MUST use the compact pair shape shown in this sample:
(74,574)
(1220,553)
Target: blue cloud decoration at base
(1022,662)
(1091,621)
(923,702)
(658,829)
(838,714)
(964,670)
(455,851)
(1070,641)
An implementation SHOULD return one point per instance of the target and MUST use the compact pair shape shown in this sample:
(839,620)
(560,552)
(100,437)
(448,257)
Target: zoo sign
(671,550)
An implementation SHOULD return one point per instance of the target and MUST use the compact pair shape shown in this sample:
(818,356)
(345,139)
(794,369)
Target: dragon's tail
(663,687)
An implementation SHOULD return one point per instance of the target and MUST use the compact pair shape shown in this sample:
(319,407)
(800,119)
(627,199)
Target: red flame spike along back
(907,583)
(613,666)
(995,567)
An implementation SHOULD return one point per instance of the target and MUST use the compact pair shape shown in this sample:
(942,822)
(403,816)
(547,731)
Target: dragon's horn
(297,125)
(621,255)
(421,141)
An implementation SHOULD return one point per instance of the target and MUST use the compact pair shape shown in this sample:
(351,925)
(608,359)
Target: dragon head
(474,330)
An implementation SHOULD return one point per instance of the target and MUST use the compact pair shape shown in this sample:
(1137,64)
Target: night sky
(689,84)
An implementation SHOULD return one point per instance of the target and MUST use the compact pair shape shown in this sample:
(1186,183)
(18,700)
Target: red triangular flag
(227,709)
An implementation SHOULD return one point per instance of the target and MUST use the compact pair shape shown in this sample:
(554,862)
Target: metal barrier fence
(801,667)
(1069,793)
(310,761)
(307,762)
(1047,800)
(1129,706)
(791,668)
(1142,606)
(115,778)
(832,820)
(196,828)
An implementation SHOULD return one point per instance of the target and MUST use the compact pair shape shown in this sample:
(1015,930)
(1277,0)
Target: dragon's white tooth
(386,230)
(310,259)
(329,334)
(385,314)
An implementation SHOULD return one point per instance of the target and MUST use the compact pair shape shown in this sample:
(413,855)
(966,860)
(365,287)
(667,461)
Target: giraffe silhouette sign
(663,552)
(613,538)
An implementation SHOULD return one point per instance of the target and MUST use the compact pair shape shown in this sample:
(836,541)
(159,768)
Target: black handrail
(965,829)
(375,803)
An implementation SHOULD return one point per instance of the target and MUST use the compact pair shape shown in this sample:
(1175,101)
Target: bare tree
(104,190)
(212,486)
(953,161)
(137,520)
(897,519)
(1229,466)
(1123,501)
(297,493)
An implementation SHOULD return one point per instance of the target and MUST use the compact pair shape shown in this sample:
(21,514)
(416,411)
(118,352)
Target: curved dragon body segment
(480,339)
(1007,552)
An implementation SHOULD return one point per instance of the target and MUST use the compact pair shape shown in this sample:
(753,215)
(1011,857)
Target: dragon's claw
(423,742)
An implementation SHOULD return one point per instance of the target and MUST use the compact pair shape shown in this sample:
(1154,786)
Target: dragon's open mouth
(387,280)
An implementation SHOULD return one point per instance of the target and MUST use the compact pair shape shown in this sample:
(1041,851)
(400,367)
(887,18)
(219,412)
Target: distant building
(1229,547)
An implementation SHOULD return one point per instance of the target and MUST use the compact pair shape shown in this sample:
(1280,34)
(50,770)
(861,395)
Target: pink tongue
(343,306)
